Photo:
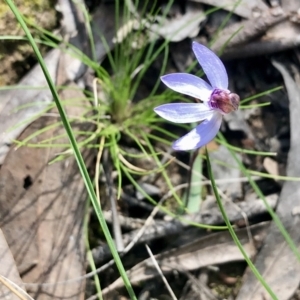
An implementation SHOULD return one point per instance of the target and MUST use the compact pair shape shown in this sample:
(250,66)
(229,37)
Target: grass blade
(77,153)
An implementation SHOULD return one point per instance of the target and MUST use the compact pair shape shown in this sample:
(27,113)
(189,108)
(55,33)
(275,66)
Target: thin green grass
(259,193)
(89,251)
(233,234)
(77,153)
(117,117)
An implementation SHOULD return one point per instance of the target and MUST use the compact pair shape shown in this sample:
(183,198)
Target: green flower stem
(257,190)
(234,236)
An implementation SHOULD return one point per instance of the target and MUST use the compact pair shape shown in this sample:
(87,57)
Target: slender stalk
(232,233)
(77,154)
(272,213)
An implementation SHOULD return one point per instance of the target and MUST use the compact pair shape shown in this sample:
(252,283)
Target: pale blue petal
(188,84)
(184,112)
(201,135)
(212,66)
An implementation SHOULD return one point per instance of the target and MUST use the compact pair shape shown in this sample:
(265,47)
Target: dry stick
(161,229)
(166,196)
(129,165)
(95,91)
(160,273)
(171,228)
(198,286)
(141,232)
(97,169)
(149,220)
(252,29)
(138,235)
(144,205)
(126,222)
(207,182)
(14,288)
(101,145)
(224,196)
(130,245)
(111,262)
(107,265)
(107,167)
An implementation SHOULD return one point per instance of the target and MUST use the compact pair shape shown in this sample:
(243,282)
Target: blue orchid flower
(216,100)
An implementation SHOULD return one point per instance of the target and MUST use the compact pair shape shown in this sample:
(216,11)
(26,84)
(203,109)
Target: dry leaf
(210,214)
(214,249)
(8,270)
(41,211)
(282,36)
(276,261)
(247,9)
(180,27)
(11,102)
(245,31)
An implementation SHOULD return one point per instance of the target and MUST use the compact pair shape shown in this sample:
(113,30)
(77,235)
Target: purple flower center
(224,100)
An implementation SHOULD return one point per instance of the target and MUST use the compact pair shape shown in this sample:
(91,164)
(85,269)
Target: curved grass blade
(233,234)
(77,153)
